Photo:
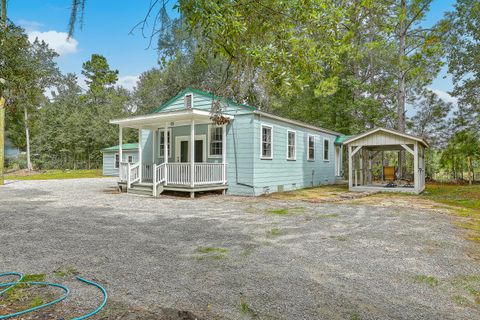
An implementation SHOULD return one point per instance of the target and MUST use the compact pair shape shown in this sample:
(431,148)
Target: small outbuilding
(374,161)
(111,158)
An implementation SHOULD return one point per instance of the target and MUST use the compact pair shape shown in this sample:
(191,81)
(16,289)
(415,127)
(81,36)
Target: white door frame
(179,139)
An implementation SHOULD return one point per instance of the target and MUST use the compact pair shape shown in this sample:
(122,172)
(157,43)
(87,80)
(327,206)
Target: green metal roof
(126,146)
(341,139)
(203,93)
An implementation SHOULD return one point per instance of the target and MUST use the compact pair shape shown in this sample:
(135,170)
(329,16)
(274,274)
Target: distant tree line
(343,67)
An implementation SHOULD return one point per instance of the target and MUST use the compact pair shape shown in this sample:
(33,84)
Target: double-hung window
(326,149)
(291,145)
(117,161)
(215,134)
(266,142)
(130,159)
(311,147)
(161,139)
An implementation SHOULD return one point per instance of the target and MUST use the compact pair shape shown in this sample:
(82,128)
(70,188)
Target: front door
(183,149)
(198,150)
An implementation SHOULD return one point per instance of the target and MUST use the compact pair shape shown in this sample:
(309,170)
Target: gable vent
(188,101)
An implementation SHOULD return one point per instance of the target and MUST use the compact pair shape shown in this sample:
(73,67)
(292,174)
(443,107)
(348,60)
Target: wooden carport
(364,147)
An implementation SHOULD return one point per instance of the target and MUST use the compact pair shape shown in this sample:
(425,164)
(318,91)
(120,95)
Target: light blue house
(250,153)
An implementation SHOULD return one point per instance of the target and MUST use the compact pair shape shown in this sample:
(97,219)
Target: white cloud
(57,41)
(445,96)
(128,82)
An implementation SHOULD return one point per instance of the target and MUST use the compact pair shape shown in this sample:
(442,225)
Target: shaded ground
(241,258)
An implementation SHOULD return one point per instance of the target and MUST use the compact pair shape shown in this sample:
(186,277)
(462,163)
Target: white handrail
(133,174)
(209,173)
(123,171)
(178,173)
(147,172)
(158,176)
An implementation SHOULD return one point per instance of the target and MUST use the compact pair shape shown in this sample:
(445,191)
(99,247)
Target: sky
(106,31)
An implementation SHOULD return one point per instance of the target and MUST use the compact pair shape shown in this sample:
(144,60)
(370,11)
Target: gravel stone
(324,260)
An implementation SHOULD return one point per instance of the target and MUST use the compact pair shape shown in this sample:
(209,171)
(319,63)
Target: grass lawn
(460,200)
(55,174)
(464,201)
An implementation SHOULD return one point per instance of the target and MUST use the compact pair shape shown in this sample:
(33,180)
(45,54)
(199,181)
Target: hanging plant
(219,119)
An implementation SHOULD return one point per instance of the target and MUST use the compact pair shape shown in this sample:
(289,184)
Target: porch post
(224,153)
(192,153)
(350,160)
(165,151)
(416,179)
(154,131)
(120,151)
(140,160)
(120,144)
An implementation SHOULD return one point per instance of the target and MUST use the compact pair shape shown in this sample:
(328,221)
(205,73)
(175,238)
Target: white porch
(189,172)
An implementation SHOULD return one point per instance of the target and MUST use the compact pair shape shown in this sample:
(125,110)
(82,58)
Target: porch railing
(159,176)
(133,174)
(209,173)
(147,172)
(123,171)
(176,173)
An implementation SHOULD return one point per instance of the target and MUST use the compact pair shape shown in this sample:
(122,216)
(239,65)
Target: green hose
(11,285)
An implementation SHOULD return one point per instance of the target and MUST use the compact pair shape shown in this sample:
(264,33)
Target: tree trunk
(470,169)
(402,35)
(2,104)
(27,139)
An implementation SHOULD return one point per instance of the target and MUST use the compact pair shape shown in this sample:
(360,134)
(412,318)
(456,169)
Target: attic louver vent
(188,101)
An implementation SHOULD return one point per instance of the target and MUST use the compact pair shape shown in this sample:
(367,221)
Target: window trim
(115,166)
(185,101)
(209,140)
(308,147)
(294,145)
(261,141)
(323,150)
(160,131)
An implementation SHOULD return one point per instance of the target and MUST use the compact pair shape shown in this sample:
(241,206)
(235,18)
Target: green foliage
(98,75)
(463,57)
(28,68)
(75,125)
(57,174)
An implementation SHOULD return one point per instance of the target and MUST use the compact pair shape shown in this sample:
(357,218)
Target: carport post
(416,179)
(350,184)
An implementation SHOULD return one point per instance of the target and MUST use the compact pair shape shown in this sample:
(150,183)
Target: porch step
(141,189)
(144,189)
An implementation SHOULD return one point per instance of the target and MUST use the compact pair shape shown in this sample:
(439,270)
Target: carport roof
(390,131)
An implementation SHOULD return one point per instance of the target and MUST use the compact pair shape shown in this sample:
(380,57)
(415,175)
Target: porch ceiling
(172,118)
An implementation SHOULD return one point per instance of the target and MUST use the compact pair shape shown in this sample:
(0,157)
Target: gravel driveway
(223,257)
